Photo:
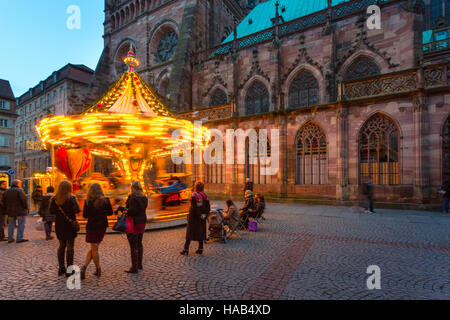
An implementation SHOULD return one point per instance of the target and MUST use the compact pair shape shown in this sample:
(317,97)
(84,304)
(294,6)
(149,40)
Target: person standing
(3,215)
(44,212)
(445,190)
(64,207)
(136,208)
(16,207)
(198,213)
(247,186)
(36,195)
(368,193)
(96,210)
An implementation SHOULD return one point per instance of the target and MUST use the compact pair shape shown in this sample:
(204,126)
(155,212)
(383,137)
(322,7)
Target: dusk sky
(36,40)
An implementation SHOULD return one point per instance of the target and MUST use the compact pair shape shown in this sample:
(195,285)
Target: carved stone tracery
(254,70)
(304,57)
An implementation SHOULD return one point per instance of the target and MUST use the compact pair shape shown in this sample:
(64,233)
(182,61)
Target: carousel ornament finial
(130,60)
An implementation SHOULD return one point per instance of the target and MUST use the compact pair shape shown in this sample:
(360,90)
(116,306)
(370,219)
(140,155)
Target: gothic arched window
(219,97)
(361,67)
(257,99)
(255,163)
(304,91)
(311,155)
(446,151)
(166,46)
(119,65)
(164,88)
(378,151)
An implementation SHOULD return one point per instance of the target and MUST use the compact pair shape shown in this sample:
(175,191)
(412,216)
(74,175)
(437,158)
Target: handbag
(121,224)
(130,225)
(253,225)
(74,223)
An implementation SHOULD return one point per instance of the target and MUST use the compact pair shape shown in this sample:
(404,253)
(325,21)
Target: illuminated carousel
(130,126)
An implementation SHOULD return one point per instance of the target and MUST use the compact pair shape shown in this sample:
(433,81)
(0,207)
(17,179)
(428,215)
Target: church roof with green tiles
(261,16)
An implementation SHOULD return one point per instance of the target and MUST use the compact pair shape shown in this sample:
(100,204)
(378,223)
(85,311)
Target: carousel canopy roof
(130,94)
(129,120)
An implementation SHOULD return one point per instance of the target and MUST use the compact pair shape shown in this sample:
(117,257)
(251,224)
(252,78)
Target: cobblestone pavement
(300,252)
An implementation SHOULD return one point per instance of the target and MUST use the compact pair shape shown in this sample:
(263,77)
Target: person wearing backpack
(198,214)
(44,212)
(96,210)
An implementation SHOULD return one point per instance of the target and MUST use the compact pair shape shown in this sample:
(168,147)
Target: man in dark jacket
(16,208)
(368,193)
(445,190)
(3,216)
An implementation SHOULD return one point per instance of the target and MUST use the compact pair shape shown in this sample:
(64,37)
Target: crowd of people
(61,208)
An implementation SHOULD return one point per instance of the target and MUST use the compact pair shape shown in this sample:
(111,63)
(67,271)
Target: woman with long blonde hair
(137,205)
(64,207)
(96,210)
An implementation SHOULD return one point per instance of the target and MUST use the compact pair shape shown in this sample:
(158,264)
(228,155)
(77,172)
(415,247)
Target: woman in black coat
(96,210)
(198,213)
(136,208)
(64,207)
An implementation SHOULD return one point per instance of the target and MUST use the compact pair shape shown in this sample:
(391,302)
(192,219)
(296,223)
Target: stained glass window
(167,46)
(219,97)
(304,91)
(257,99)
(255,163)
(378,151)
(311,155)
(360,68)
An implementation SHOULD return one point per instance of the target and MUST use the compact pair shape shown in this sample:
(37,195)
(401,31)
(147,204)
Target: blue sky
(35,40)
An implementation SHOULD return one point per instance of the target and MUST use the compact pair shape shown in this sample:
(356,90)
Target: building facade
(61,93)
(7,122)
(350,103)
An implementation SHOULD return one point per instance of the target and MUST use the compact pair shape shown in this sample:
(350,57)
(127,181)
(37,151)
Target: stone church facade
(350,103)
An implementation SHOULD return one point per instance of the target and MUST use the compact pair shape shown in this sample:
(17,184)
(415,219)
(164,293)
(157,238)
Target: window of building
(435,11)
(4,141)
(219,97)
(215,172)
(120,66)
(5,105)
(304,91)
(446,151)
(378,151)
(311,155)
(4,160)
(5,123)
(257,99)
(255,163)
(166,47)
(360,68)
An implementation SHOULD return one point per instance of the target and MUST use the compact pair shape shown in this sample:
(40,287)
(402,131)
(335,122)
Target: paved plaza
(300,252)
